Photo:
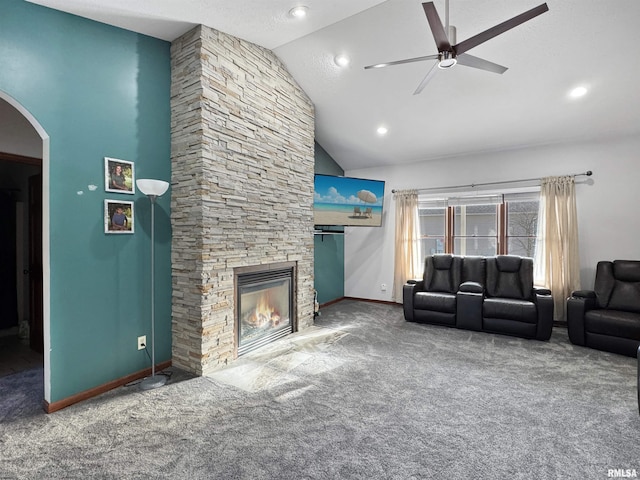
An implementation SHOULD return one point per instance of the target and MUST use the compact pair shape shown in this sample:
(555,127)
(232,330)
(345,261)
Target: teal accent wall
(328,249)
(329,267)
(325,164)
(97,91)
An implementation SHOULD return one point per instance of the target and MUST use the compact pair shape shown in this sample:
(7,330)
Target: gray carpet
(367,396)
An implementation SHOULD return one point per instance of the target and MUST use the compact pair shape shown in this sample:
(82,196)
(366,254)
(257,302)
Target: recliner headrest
(442,262)
(508,263)
(626,270)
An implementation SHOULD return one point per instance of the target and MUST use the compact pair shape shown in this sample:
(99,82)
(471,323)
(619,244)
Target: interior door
(36,328)
(8,288)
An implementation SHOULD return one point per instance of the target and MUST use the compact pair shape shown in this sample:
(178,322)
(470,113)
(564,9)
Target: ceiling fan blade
(426,79)
(400,62)
(476,62)
(476,40)
(437,29)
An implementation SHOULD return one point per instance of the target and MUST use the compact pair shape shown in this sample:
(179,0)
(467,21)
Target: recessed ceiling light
(299,11)
(382,130)
(342,60)
(578,92)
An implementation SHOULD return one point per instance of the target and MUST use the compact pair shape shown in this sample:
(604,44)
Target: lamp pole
(153,189)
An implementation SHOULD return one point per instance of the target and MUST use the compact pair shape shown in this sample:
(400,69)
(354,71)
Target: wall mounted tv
(346,201)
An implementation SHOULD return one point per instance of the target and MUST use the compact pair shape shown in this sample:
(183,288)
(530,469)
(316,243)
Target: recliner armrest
(471,287)
(416,285)
(469,306)
(577,306)
(584,294)
(544,305)
(541,291)
(408,292)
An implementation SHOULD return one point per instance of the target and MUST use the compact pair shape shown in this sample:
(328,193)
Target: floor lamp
(153,189)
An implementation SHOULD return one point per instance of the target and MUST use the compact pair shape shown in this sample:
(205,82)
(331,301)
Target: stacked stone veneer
(242,159)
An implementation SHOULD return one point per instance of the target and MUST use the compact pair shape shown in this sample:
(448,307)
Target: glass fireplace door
(264,310)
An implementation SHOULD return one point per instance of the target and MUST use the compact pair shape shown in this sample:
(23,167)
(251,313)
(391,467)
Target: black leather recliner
(608,317)
(513,305)
(433,300)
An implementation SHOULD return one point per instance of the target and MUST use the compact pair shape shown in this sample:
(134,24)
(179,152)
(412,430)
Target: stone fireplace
(242,153)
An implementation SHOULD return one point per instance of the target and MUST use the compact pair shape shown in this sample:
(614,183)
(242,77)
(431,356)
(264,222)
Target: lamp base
(155,381)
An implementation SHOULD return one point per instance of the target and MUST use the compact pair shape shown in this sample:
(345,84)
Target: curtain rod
(588,173)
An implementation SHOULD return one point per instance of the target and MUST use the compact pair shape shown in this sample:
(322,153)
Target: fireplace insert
(265,307)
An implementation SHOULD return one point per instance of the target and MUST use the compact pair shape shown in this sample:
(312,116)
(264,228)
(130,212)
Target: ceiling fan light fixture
(446,60)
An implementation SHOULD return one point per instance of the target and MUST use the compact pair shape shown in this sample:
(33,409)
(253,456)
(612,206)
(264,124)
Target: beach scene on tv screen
(347,201)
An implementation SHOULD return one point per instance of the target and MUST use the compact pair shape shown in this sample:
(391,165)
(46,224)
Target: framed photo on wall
(119,176)
(118,216)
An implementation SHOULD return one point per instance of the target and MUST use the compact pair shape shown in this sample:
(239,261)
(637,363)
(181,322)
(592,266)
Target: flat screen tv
(347,201)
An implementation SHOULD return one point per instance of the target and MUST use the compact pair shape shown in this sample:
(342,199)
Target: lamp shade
(152,187)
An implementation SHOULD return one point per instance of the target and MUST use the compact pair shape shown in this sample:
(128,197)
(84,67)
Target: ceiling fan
(450,53)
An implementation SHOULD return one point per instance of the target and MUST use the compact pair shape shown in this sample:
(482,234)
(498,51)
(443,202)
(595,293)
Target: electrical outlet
(142,341)
(383,287)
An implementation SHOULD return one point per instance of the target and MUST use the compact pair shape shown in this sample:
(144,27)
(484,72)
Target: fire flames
(264,314)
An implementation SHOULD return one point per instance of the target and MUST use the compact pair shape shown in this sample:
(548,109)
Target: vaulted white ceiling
(595,43)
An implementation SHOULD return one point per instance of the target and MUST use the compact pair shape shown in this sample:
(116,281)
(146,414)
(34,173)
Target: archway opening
(24,191)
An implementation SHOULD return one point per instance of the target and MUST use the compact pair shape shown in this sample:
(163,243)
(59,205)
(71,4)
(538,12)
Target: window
(432,230)
(475,229)
(481,225)
(522,227)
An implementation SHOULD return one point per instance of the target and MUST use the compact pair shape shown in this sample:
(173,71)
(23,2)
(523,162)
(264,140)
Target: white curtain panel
(407,241)
(556,258)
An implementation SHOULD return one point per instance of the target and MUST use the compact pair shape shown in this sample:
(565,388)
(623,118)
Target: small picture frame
(118,216)
(119,176)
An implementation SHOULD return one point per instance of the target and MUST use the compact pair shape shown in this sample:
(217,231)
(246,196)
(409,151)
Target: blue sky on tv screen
(344,190)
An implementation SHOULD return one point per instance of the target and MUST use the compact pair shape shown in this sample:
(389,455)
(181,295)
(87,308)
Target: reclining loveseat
(487,294)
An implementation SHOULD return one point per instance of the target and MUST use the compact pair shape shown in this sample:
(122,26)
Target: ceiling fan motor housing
(451,33)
